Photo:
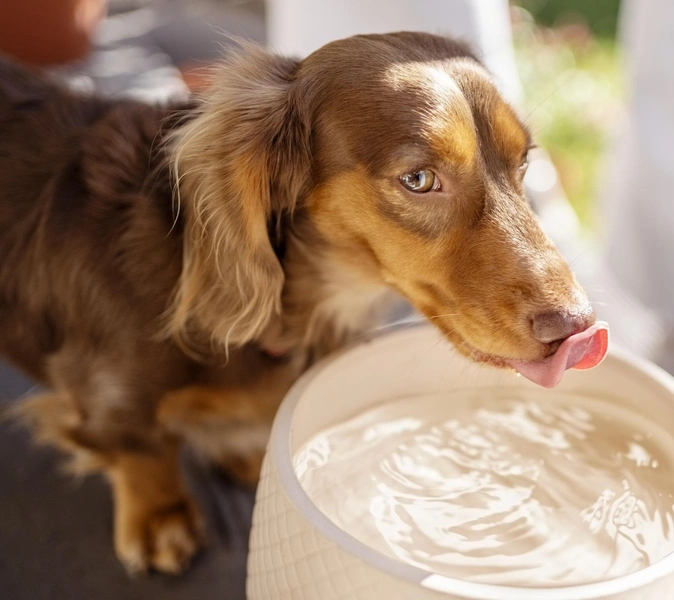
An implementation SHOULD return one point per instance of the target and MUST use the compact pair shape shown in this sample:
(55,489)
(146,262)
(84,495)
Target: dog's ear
(244,159)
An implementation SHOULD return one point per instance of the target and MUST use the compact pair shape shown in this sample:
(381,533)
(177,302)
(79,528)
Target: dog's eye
(420,182)
(524,165)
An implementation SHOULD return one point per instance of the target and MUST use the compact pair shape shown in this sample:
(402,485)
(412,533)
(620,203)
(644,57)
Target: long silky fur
(241,160)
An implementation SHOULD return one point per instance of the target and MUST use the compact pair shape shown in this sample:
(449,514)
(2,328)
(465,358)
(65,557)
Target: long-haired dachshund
(169,271)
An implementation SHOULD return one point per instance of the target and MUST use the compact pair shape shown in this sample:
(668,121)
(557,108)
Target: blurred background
(572,73)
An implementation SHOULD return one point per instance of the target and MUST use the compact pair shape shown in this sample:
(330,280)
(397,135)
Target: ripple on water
(498,486)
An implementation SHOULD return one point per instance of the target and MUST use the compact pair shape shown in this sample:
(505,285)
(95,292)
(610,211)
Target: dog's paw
(163,539)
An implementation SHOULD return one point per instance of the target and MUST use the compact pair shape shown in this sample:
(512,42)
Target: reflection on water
(497,486)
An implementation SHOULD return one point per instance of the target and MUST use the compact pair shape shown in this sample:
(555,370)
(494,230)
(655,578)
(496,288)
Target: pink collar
(275,352)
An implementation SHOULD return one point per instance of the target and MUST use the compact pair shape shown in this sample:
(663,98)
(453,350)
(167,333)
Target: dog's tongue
(581,351)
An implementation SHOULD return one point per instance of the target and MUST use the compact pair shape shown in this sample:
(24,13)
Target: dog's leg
(222,426)
(157,524)
(229,425)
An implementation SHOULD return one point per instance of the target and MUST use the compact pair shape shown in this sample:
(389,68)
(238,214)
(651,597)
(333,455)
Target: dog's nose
(556,326)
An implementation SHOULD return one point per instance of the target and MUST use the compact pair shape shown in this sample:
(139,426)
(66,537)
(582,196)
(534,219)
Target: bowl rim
(279,447)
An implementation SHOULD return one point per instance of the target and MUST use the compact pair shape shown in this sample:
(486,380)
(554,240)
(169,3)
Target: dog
(169,271)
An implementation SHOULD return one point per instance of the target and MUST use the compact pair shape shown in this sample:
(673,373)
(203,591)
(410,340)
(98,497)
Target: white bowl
(296,552)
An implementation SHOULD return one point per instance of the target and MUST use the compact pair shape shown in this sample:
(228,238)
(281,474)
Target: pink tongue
(581,351)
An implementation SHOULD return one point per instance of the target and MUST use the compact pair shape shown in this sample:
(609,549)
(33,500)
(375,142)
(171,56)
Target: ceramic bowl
(297,553)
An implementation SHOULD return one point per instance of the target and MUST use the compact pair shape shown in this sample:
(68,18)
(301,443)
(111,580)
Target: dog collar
(275,353)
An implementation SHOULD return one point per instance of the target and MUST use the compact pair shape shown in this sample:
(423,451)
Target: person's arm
(48,32)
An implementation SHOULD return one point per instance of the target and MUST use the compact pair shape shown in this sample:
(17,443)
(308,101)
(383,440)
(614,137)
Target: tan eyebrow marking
(447,120)
(511,137)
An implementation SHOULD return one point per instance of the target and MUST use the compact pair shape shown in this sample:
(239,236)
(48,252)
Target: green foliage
(573,98)
(600,15)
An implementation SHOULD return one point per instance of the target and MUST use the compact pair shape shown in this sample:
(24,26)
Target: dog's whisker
(422,358)
(582,254)
(569,75)
(443,316)
(542,129)
(400,325)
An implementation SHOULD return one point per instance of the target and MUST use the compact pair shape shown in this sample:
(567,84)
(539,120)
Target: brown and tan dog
(154,259)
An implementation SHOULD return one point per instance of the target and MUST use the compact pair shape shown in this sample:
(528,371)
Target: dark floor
(55,533)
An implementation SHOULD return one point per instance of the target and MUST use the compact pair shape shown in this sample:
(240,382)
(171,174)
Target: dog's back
(34,118)
(85,204)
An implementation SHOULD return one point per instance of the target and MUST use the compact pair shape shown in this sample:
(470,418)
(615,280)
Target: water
(502,487)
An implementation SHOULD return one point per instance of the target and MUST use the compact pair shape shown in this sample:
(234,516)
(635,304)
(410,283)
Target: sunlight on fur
(225,162)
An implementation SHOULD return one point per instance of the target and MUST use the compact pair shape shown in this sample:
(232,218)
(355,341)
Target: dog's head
(401,152)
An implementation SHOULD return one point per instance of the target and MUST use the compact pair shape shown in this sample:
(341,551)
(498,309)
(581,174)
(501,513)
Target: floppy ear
(243,160)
